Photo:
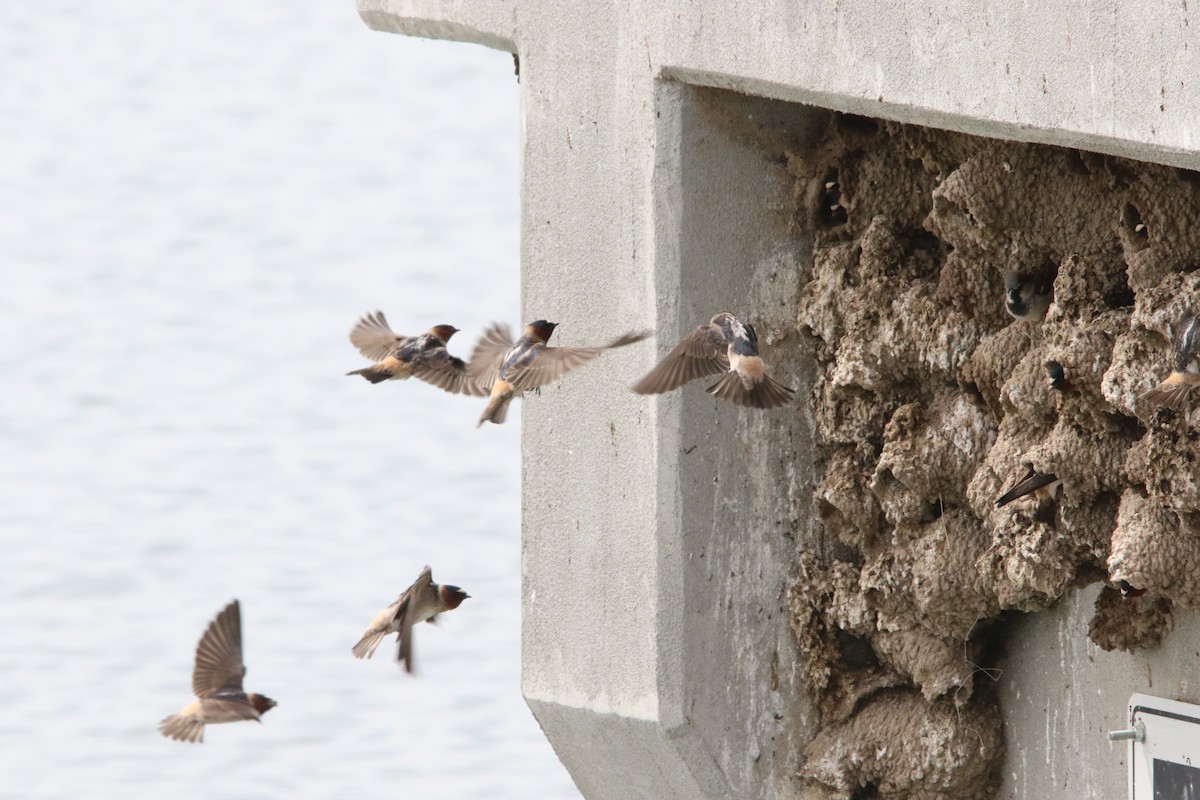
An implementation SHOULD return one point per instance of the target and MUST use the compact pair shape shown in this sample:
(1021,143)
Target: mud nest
(931,401)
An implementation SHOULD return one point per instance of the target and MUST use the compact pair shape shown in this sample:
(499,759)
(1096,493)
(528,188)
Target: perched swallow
(399,357)
(1044,487)
(217,682)
(1027,296)
(512,368)
(725,344)
(1173,392)
(421,602)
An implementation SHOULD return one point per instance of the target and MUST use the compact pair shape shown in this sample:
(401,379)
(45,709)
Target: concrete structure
(659,535)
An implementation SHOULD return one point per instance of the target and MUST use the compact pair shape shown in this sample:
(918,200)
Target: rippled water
(196,202)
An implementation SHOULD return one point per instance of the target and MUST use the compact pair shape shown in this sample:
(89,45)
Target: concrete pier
(661,535)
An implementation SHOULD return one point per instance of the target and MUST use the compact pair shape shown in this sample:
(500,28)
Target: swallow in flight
(1173,392)
(217,682)
(512,368)
(421,602)
(725,344)
(399,357)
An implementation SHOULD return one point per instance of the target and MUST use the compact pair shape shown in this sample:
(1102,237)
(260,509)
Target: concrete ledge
(491,23)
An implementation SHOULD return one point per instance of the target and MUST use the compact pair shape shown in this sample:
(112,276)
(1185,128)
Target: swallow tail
(761,392)
(497,407)
(182,729)
(1168,394)
(367,644)
(386,369)
(372,374)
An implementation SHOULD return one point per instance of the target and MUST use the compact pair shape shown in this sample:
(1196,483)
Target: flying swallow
(1027,296)
(217,682)
(512,368)
(1044,488)
(421,602)
(724,344)
(1173,392)
(399,357)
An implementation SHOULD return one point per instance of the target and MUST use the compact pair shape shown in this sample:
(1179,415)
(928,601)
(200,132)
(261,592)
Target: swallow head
(443,332)
(1058,377)
(451,596)
(736,331)
(723,321)
(261,703)
(540,329)
(1129,590)
(1025,296)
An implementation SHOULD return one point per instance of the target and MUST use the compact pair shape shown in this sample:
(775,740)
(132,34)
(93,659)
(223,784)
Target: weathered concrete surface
(1061,694)
(660,535)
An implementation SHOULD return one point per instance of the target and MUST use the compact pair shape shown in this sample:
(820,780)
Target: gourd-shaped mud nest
(932,400)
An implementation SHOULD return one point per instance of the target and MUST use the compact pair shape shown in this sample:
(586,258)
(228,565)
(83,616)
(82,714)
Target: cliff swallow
(1044,488)
(1173,392)
(1027,296)
(217,682)
(421,602)
(399,357)
(512,368)
(724,344)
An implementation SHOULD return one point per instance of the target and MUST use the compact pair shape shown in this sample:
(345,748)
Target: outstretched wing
(419,589)
(552,363)
(488,355)
(373,338)
(446,372)
(219,664)
(701,353)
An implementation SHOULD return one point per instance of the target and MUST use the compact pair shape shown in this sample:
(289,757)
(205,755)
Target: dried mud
(931,401)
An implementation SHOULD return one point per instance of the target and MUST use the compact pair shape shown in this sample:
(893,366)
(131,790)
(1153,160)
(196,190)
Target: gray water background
(197,200)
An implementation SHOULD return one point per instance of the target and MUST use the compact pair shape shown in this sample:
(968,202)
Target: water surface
(196,202)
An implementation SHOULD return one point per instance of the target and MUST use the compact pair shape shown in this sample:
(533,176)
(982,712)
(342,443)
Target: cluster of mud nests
(931,401)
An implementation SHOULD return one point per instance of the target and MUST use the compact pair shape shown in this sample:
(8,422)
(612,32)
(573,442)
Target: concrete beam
(1108,76)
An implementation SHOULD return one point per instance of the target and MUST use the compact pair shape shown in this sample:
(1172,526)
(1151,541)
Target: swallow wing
(448,373)
(219,666)
(554,362)
(421,587)
(701,353)
(488,355)
(1028,485)
(550,365)
(399,609)
(373,338)
(1187,341)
